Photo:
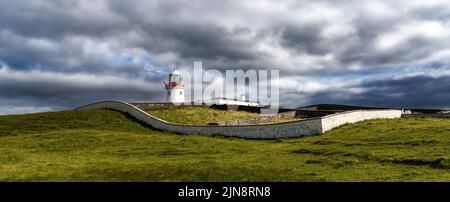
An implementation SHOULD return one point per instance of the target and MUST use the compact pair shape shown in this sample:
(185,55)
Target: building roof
(221,98)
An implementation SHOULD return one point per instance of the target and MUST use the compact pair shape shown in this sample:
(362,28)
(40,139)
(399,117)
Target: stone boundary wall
(334,120)
(314,113)
(300,128)
(269,131)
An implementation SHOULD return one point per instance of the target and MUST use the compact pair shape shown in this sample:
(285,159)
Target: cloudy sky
(63,54)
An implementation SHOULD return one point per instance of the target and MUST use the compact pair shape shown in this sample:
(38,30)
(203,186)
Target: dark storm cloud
(411,92)
(305,39)
(23,91)
(410,25)
(60,43)
(205,41)
(56,19)
(70,25)
(417,91)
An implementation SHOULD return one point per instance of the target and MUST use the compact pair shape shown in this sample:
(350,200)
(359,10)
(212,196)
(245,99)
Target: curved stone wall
(335,120)
(269,131)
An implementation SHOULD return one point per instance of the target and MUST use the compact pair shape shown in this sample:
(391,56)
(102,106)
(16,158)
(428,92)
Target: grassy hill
(198,115)
(203,116)
(101,145)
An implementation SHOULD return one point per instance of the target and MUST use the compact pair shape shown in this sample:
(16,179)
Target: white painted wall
(233,102)
(334,120)
(175,95)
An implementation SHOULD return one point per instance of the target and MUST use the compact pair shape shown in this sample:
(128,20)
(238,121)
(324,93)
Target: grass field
(198,115)
(101,145)
(204,116)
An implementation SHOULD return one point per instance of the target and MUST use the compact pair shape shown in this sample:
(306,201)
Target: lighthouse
(175,87)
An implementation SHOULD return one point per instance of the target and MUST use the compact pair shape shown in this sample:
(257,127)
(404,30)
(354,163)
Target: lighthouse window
(181,93)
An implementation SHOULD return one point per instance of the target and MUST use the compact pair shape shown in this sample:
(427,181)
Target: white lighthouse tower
(175,87)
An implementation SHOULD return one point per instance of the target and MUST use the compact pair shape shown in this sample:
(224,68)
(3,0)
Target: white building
(175,87)
(228,101)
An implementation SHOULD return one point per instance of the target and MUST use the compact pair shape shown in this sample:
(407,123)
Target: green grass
(203,116)
(198,115)
(101,145)
(284,120)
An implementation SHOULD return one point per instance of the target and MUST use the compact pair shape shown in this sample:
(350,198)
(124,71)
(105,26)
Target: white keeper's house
(229,101)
